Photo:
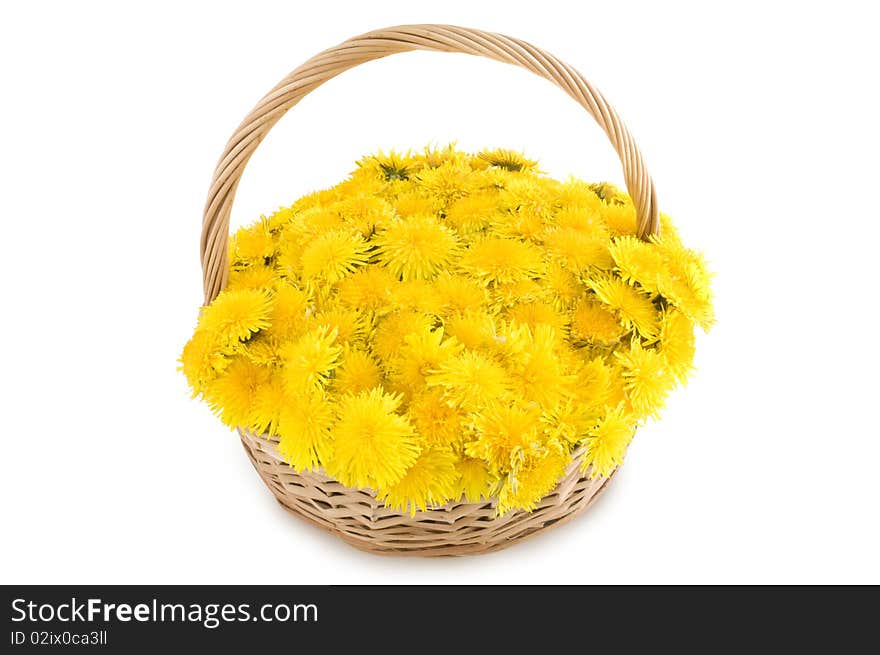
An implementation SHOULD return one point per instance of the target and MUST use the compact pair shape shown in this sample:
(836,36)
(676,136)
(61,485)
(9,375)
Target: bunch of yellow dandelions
(444,325)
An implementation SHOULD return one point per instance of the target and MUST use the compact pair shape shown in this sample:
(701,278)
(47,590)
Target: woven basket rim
(320,476)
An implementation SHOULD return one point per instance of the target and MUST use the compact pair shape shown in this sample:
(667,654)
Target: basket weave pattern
(356,515)
(462,528)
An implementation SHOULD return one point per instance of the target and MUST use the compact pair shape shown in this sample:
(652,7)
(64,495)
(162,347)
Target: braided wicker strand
(378,44)
(354,515)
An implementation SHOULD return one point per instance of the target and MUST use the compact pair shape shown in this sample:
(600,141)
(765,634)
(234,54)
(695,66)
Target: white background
(759,124)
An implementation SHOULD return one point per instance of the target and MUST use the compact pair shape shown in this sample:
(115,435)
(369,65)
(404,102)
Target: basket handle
(378,44)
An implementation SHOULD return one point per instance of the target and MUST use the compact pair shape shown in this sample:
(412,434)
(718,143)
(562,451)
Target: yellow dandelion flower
(536,313)
(594,385)
(494,179)
(577,250)
(447,182)
(481,165)
(269,398)
(422,351)
(497,261)
(252,277)
(415,247)
(310,224)
(254,244)
(293,245)
(235,314)
(435,420)
(512,293)
(314,200)
(687,283)
(584,220)
(457,293)
(537,373)
(393,329)
(369,289)
(508,159)
(563,288)
(349,324)
(412,203)
(477,483)
(288,263)
(357,372)
(575,194)
(668,231)
(504,433)
(648,378)
(571,356)
(527,221)
(566,421)
(542,379)
(638,261)
(201,360)
(608,192)
(434,157)
(512,340)
(394,189)
(635,309)
(304,426)
(277,220)
(393,166)
(527,487)
(617,394)
(620,218)
(373,446)
(366,214)
(290,310)
(470,379)
(526,190)
(416,295)
(473,329)
(607,442)
(472,214)
(358,185)
(677,343)
(430,482)
(593,322)
(333,255)
(231,394)
(309,360)
(263,349)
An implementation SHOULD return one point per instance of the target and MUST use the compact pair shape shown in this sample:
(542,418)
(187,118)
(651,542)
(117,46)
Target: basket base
(360,519)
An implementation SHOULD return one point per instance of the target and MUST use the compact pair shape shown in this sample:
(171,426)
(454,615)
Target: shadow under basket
(359,518)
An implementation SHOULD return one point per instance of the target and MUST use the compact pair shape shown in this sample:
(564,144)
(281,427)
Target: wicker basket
(356,515)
